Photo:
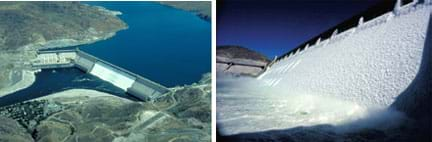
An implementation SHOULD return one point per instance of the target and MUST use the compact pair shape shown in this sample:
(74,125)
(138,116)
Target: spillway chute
(363,71)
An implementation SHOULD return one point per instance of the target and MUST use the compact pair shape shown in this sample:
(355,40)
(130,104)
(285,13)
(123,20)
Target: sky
(274,27)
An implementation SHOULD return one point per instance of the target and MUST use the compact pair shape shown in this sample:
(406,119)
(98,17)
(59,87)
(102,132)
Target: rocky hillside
(232,51)
(25,23)
(182,115)
(200,8)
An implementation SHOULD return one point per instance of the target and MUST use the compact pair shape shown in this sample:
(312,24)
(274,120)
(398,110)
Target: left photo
(105,71)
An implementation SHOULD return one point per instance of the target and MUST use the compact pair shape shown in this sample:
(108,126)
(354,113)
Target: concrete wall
(53,66)
(415,100)
(84,64)
(147,87)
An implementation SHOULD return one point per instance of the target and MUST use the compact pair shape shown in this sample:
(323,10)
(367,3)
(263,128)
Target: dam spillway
(370,64)
(113,75)
(129,82)
(354,74)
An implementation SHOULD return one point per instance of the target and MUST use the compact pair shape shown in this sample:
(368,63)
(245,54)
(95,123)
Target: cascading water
(348,77)
(113,76)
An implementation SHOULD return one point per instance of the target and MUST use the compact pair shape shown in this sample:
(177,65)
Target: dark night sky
(275,27)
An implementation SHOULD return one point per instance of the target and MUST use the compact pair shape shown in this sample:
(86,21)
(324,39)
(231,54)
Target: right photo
(324,70)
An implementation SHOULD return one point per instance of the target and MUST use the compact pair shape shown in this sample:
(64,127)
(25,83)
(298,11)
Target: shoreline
(199,8)
(78,93)
(27,79)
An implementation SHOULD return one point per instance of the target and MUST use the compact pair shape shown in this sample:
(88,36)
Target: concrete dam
(370,64)
(363,72)
(129,82)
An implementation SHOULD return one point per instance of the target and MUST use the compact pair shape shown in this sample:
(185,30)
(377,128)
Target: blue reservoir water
(164,44)
(169,46)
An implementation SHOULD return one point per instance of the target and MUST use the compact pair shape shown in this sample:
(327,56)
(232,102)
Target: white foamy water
(239,114)
(350,77)
(111,75)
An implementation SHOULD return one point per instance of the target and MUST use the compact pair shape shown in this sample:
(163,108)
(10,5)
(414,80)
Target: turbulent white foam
(111,75)
(252,114)
(371,66)
(335,82)
(245,105)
